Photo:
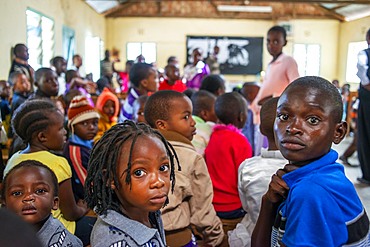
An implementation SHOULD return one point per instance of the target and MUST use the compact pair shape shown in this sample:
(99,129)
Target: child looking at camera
(129,177)
(310,202)
(31,191)
(41,126)
(83,126)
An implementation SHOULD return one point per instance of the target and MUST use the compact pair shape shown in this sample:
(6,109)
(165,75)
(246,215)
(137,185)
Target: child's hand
(278,189)
(82,204)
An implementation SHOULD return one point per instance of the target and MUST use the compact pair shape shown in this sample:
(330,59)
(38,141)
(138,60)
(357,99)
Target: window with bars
(353,49)
(40,39)
(307,57)
(148,50)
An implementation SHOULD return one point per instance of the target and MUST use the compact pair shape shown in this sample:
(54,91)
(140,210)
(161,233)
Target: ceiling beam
(330,12)
(315,1)
(111,12)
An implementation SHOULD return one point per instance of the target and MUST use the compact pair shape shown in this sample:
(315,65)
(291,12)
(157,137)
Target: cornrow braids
(104,158)
(31,117)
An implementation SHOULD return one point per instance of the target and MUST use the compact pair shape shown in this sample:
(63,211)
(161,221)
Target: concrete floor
(353,172)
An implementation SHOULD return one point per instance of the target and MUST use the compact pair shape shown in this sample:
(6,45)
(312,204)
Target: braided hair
(104,158)
(32,117)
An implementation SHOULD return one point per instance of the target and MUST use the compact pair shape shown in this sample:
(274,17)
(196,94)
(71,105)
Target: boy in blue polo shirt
(310,202)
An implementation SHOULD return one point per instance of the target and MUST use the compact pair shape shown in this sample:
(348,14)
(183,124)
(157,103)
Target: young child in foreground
(191,203)
(310,202)
(31,191)
(41,126)
(128,180)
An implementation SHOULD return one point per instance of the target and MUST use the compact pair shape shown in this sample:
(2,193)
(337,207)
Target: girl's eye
(186,117)
(313,120)
(139,173)
(40,191)
(164,168)
(16,193)
(282,117)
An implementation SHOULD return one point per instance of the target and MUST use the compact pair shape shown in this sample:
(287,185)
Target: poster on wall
(237,56)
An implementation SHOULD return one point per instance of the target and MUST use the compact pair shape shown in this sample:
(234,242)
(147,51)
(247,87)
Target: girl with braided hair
(128,180)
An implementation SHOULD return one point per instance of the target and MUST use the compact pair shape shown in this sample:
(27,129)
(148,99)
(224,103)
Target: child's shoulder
(53,232)
(114,229)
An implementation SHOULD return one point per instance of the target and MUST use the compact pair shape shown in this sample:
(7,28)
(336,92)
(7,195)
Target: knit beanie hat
(80,110)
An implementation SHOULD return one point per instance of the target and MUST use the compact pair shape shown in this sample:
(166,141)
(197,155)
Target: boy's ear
(241,117)
(144,83)
(219,91)
(55,203)
(240,120)
(340,132)
(161,124)
(203,114)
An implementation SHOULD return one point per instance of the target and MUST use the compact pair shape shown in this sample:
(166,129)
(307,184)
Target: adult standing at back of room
(20,63)
(106,67)
(363,117)
(281,71)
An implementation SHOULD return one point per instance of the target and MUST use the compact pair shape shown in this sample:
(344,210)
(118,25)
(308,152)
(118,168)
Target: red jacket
(226,150)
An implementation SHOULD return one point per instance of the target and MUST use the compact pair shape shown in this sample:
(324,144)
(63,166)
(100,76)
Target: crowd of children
(179,161)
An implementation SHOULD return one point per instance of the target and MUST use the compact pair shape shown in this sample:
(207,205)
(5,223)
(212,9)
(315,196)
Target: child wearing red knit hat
(83,125)
(107,105)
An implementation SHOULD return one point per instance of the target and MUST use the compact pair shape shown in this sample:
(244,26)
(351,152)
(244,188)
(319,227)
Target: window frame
(141,51)
(304,69)
(352,59)
(40,61)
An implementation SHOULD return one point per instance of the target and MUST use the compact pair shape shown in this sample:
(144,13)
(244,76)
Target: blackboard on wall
(237,56)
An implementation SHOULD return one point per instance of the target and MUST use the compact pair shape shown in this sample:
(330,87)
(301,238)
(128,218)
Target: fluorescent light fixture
(241,8)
